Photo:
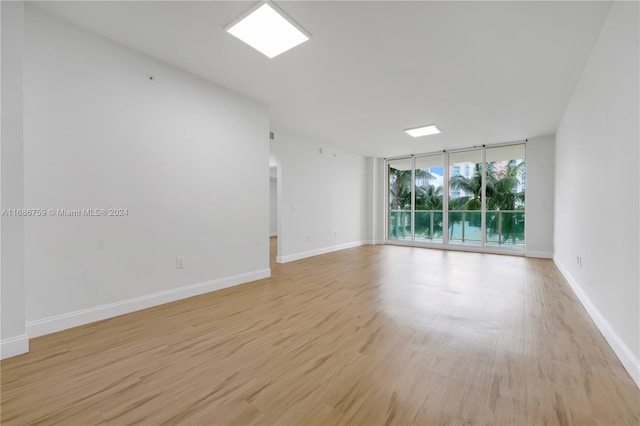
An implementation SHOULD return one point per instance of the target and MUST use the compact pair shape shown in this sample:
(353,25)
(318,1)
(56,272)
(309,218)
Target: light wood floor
(372,335)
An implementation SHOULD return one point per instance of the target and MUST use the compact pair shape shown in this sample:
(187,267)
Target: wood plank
(369,335)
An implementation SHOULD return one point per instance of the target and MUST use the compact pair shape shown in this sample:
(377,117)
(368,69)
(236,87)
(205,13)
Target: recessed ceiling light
(416,132)
(269,30)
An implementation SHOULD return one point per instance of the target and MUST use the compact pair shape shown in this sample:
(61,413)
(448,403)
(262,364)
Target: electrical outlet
(180,262)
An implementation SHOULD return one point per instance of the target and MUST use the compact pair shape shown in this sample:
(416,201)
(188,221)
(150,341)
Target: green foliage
(400,187)
(502,182)
(501,191)
(428,197)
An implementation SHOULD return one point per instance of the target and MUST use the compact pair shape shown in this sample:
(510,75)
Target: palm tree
(501,191)
(471,188)
(400,197)
(505,196)
(504,186)
(429,198)
(399,189)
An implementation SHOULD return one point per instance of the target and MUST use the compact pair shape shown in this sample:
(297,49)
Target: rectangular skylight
(416,132)
(268,29)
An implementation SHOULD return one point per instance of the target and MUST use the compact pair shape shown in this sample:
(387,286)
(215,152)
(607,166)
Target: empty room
(320,212)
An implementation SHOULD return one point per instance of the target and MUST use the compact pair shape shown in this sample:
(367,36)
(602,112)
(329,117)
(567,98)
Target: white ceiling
(484,72)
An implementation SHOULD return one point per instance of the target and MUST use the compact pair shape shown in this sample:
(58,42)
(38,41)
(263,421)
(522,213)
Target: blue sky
(436,171)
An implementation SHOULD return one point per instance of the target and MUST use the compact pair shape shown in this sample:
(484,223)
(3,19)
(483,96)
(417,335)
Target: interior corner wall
(375,200)
(273,207)
(370,199)
(539,196)
(378,209)
(13,340)
(597,184)
(323,200)
(184,162)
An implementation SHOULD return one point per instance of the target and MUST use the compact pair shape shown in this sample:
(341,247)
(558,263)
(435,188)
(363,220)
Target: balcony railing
(400,225)
(465,226)
(428,226)
(504,227)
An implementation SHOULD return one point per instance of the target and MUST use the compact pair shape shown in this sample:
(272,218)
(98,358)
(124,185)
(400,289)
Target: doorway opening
(273,210)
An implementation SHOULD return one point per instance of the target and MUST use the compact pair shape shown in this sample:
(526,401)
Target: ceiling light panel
(268,29)
(416,132)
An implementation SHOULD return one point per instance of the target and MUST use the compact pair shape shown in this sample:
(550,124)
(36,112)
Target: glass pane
(399,196)
(505,196)
(428,204)
(465,197)
(505,228)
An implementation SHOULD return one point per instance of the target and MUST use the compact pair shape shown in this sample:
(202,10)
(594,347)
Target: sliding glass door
(472,198)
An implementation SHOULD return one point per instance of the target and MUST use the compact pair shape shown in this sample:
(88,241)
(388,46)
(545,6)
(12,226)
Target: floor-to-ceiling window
(428,184)
(473,198)
(465,197)
(505,188)
(399,174)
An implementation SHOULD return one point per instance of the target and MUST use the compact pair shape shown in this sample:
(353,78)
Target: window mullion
(483,218)
(445,199)
(413,198)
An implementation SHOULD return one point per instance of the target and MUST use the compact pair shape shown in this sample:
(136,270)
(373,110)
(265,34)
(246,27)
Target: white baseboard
(86,316)
(14,346)
(275,234)
(324,250)
(379,242)
(622,351)
(539,254)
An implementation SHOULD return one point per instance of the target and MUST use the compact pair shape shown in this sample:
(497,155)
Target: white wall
(323,198)
(378,208)
(187,158)
(539,197)
(596,197)
(12,317)
(273,207)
